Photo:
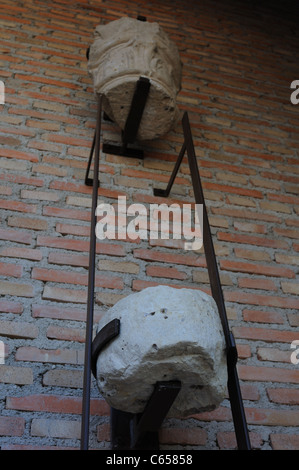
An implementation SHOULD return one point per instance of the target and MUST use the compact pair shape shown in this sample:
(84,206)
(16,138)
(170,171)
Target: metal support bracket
(129,430)
(106,334)
(235,396)
(145,427)
(141,431)
(130,131)
(132,123)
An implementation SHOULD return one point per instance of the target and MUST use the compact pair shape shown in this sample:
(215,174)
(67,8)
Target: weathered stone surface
(165,334)
(124,50)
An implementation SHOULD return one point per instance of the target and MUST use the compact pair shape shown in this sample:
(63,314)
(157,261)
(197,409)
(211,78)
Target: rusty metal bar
(91,284)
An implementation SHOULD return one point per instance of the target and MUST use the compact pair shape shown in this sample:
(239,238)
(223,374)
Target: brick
(151,255)
(40,195)
(238,266)
(17,206)
(49,170)
(203,277)
(220,414)
(255,255)
(284,441)
(9,165)
(159,271)
(5,190)
(294,200)
(265,183)
(268,374)
(240,201)
(265,334)
(263,284)
(60,294)
(13,329)
(250,227)
(73,229)
(245,214)
(10,270)
(290,288)
(18,179)
(74,214)
(252,240)
(45,146)
(27,222)
(48,126)
(275,207)
(231,177)
(78,201)
(260,316)
(103,432)
(61,313)
(150,176)
(286,232)
(227,440)
(54,356)
(9,306)
(56,428)
(80,245)
(67,334)
(68,259)
(25,253)
(80,188)
(75,278)
(14,288)
(56,404)
(9,153)
(286,396)
(63,378)
(274,355)
(183,436)
(12,426)
(55,107)
(16,375)
(233,189)
(48,81)
(108,298)
(40,115)
(261,300)
(118,266)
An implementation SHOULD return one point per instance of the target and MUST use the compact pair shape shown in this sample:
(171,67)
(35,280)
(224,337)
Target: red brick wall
(239,61)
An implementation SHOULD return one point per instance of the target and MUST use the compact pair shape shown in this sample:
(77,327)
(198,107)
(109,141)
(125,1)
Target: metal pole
(91,282)
(235,396)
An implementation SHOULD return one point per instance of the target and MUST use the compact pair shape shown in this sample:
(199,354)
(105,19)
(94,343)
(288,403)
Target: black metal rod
(165,192)
(91,284)
(207,237)
(89,181)
(233,380)
(136,110)
(235,396)
(156,410)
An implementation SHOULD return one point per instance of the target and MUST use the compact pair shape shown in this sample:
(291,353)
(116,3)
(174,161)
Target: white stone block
(165,334)
(122,51)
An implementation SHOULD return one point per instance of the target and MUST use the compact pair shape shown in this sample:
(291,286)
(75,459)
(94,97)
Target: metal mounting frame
(128,430)
(141,431)
(130,130)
